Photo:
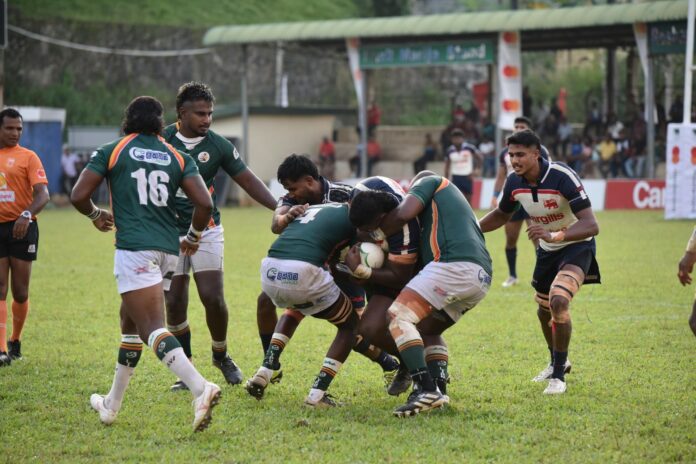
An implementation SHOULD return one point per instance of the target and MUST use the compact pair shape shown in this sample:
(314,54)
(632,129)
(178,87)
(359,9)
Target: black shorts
(25,248)
(548,264)
(464,184)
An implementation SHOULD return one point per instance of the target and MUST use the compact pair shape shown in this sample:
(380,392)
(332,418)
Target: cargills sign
(426,54)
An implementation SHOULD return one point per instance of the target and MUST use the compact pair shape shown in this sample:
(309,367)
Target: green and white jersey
(143,173)
(315,236)
(450,231)
(210,153)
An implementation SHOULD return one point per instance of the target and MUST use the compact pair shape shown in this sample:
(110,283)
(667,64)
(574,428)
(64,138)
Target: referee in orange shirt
(23,193)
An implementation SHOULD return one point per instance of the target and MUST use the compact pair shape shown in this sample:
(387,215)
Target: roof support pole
(650,110)
(689,60)
(245,105)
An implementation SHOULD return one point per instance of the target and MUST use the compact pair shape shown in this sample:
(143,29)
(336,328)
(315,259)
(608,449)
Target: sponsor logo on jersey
(11,162)
(7,196)
(204,157)
(548,219)
(40,173)
(150,156)
(550,204)
(235,153)
(3,181)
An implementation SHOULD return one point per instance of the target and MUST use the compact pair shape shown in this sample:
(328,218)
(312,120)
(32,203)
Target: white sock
(118,388)
(178,363)
(315,395)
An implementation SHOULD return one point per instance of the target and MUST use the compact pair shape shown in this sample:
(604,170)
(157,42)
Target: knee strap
(566,285)
(542,300)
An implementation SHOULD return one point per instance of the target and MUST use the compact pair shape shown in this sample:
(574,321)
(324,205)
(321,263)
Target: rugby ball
(371,255)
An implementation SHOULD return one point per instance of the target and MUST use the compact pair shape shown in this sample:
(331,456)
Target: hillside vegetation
(183,13)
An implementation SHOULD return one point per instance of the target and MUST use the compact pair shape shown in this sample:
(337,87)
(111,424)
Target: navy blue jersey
(552,202)
(403,245)
(333,193)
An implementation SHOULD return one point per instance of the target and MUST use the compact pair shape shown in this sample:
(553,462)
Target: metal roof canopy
(551,29)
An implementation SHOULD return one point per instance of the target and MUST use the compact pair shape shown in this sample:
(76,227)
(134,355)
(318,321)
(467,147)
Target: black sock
(551,354)
(387,362)
(559,360)
(511,255)
(424,379)
(265,341)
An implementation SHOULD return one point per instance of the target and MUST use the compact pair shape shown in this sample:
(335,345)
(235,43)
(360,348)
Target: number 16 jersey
(143,173)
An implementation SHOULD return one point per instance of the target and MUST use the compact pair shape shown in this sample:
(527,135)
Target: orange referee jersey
(20,170)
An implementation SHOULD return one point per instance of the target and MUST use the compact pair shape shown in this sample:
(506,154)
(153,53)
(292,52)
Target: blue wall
(46,139)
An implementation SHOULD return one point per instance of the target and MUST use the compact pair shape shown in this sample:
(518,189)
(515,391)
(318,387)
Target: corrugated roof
(450,24)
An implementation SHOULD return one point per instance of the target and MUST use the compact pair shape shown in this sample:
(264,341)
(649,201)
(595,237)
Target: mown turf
(631,397)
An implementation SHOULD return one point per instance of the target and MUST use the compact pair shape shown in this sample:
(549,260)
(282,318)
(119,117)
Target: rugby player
(459,161)
(564,223)
(294,276)
(514,225)
(686,267)
(455,277)
(191,134)
(144,173)
(305,187)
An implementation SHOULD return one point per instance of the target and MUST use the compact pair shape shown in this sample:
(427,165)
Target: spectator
(639,134)
(575,157)
(623,160)
(458,114)
(429,153)
(69,163)
(473,114)
(676,110)
(327,159)
(555,110)
(526,102)
(374,154)
(488,130)
(593,122)
(608,154)
(487,149)
(374,118)
(590,157)
(565,131)
(614,126)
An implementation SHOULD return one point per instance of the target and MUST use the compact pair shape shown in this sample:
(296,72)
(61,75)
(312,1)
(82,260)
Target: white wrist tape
(691,246)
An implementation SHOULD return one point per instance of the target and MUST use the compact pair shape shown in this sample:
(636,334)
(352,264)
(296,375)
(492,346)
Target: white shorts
(141,269)
(298,285)
(209,256)
(453,288)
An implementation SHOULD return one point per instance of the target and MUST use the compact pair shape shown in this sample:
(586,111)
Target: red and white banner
(635,194)
(509,79)
(680,191)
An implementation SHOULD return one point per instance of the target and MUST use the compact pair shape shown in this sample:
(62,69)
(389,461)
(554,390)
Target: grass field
(631,397)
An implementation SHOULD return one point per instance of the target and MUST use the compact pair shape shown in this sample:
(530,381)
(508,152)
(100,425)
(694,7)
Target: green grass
(630,399)
(187,13)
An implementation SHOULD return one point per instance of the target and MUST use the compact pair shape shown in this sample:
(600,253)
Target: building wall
(273,137)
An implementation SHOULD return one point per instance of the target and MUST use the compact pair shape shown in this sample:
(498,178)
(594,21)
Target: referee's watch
(26,214)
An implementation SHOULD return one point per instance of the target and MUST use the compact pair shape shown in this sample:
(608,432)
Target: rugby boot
(555,387)
(231,372)
(203,406)
(546,374)
(401,382)
(256,386)
(14,349)
(326,401)
(5,359)
(421,401)
(106,415)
